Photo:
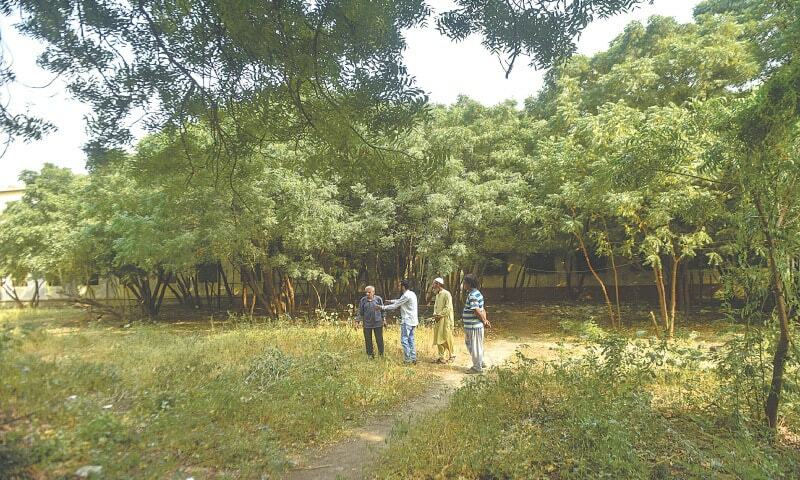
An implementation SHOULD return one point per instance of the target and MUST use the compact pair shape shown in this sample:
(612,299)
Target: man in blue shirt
(371,319)
(407,303)
(474,316)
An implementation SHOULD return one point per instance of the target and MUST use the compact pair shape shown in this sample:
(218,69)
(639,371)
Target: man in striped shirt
(474,317)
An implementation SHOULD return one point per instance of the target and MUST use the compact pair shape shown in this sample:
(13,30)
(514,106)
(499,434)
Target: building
(9,194)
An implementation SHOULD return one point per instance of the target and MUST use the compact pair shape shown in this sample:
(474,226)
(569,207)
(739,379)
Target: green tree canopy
(273,71)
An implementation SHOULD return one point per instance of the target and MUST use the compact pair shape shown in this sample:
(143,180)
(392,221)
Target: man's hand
(484,319)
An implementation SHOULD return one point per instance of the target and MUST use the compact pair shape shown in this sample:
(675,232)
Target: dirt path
(348,458)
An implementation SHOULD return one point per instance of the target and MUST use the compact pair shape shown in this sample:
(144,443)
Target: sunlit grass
(150,401)
(617,410)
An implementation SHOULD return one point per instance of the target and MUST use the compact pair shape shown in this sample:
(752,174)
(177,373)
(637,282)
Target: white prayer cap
(439,280)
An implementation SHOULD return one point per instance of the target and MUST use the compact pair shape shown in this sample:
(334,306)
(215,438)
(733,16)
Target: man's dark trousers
(378,332)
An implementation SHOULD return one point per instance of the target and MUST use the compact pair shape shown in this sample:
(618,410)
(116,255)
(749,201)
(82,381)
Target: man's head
(438,284)
(369,291)
(470,282)
(405,284)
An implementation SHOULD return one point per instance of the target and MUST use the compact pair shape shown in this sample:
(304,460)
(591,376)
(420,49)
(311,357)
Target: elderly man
(371,318)
(474,316)
(407,303)
(443,314)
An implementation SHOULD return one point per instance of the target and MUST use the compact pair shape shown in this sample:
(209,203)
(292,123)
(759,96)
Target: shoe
(483,365)
(473,370)
(452,357)
(440,360)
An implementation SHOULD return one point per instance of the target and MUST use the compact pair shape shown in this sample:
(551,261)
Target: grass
(156,401)
(239,399)
(626,409)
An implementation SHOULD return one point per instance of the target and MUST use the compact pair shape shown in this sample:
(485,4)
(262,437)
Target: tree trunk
(568,257)
(702,283)
(272,304)
(140,287)
(219,288)
(662,298)
(686,283)
(185,288)
(615,273)
(519,274)
(12,292)
(290,294)
(616,289)
(161,289)
(505,285)
(258,294)
(177,294)
(35,297)
(147,296)
(195,282)
(319,299)
(782,348)
(673,294)
(599,280)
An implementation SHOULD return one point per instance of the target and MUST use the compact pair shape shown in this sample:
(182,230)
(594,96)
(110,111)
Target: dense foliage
(261,72)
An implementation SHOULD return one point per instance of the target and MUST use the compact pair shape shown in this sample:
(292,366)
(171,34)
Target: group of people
(372,308)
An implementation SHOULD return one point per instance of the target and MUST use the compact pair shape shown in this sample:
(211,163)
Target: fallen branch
(88,302)
(12,420)
(314,468)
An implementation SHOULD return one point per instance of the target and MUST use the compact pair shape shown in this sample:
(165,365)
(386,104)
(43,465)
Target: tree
(16,125)
(262,72)
(34,238)
(621,146)
(760,157)
(759,153)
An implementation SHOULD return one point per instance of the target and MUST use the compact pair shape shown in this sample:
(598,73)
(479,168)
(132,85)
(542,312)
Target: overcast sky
(442,68)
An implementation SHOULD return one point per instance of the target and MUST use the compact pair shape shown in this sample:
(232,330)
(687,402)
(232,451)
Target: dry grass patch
(150,401)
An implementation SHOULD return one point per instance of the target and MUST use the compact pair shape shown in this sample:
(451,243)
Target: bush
(269,368)
(587,330)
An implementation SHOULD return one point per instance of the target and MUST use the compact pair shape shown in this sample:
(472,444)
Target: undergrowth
(626,409)
(154,401)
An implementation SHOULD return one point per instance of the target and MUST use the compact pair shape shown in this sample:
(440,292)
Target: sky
(441,67)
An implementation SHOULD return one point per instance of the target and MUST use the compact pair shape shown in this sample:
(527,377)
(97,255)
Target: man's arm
(481,313)
(360,315)
(397,303)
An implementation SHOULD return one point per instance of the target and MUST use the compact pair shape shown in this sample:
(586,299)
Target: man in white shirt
(407,303)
